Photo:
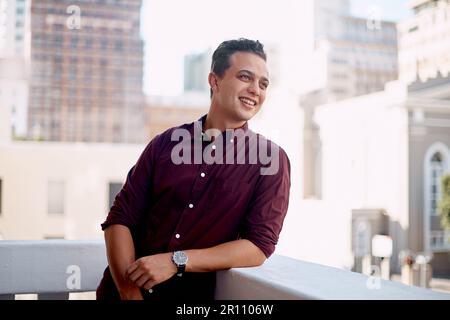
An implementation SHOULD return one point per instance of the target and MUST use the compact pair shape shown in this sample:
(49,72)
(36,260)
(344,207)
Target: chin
(247,113)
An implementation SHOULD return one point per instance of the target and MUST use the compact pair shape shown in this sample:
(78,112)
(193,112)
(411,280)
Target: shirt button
(202,174)
(214,147)
(191,205)
(177,236)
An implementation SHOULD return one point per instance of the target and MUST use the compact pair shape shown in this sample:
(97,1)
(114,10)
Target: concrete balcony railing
(54,268)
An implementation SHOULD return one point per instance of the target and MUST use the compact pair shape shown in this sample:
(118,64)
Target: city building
(424,49)
(14,28)
(87,72)
(358,55)
(14,93)
(354,56)
(14,61)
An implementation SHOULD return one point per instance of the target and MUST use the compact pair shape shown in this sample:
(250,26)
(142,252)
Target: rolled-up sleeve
(267,208)
(134,197)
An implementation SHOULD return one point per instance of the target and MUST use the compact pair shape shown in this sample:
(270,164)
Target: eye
(244,77)
(263,85)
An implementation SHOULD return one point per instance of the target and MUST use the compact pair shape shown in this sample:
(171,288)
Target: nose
(254,88)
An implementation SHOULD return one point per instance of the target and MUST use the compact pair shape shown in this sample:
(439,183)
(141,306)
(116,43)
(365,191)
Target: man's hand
(148,271)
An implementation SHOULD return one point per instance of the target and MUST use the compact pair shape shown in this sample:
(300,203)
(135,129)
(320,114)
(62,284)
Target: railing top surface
(42,267)
(306,280)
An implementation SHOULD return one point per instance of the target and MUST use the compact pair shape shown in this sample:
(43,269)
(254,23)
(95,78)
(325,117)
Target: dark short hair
(221,56)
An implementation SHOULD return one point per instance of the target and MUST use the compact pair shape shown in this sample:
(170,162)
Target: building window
(436,164)
(74,42)
(56,197)
(361,237)
(436,172)
(114,189)
(54,237)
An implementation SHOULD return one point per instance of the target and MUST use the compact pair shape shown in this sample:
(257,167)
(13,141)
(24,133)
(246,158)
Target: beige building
(383,156)
(58,190)
(167,112)
(424,49)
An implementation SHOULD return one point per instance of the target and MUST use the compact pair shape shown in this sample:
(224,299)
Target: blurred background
(359,99)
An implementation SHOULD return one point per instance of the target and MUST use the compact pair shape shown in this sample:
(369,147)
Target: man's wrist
(173,265)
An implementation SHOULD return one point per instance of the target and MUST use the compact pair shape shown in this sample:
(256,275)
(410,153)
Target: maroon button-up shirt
(199,204)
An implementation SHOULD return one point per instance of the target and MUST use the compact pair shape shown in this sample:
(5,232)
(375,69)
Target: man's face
(241,91)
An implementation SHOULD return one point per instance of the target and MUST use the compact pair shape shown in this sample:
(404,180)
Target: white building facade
(387,152)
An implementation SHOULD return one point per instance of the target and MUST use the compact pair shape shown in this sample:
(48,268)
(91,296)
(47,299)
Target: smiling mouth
(248,102)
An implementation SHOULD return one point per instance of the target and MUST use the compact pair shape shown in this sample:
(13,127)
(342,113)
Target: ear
(212,79)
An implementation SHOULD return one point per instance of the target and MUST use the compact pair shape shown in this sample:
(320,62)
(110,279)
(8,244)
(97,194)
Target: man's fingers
(131,269)
(135,275)
(141,280)
(150,284)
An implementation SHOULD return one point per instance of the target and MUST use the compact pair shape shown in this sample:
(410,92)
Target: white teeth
(248,101)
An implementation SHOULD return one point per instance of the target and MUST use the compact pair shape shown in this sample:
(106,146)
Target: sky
(173,28)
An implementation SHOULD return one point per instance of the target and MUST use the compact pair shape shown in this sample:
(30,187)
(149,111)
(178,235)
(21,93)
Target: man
(177,220)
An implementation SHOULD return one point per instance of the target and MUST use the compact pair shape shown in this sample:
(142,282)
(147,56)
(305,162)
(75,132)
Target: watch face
(179,257)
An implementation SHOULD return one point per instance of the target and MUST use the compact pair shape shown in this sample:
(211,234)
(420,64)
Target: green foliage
(444,203)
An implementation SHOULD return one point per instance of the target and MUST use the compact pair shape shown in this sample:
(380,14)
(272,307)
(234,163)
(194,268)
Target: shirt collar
(198,125)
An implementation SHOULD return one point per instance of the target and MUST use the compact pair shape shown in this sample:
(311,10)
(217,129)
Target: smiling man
(175,223)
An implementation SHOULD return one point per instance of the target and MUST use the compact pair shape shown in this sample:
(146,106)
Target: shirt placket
(202,172)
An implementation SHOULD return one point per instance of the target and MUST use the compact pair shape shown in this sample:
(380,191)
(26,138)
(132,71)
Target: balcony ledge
(54,268)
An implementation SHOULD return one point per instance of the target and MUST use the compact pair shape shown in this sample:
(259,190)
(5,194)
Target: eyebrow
(253,74)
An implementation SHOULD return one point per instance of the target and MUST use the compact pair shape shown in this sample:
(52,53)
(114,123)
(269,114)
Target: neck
(214,120)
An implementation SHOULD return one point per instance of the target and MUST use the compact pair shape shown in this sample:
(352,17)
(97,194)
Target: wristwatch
(180,259)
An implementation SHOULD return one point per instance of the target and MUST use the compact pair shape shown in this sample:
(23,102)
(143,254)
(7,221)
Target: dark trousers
(190,286)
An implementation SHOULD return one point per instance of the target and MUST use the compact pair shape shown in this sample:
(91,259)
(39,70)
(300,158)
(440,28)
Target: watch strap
(181,269)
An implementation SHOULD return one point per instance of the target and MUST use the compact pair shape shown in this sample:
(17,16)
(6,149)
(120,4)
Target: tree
(444,203)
